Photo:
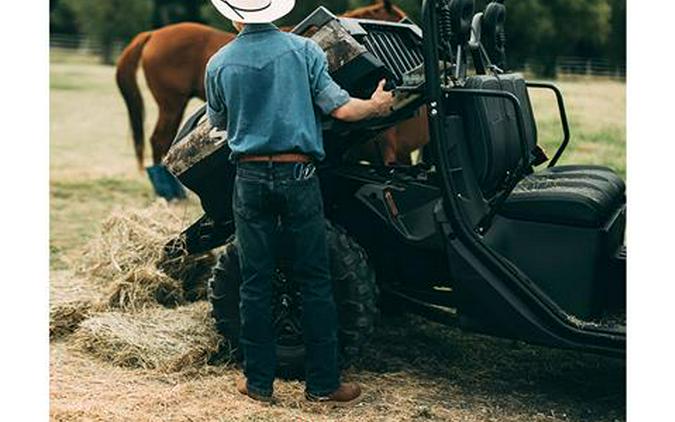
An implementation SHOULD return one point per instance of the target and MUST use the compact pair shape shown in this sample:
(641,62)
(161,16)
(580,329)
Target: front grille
(396,49)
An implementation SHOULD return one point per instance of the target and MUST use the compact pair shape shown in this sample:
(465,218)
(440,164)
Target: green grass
(597,116)
(77,208)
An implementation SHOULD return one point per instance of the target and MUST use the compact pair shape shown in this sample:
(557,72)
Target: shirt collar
(252,28)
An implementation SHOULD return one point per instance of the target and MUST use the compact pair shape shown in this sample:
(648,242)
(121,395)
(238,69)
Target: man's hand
(382,100)
(379,105)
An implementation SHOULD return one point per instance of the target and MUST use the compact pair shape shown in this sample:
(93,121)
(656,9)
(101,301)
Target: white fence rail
(581,66)
(81,44)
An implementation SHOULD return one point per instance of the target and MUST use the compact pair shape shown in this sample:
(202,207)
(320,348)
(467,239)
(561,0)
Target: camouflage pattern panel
(203,141)
(339,45)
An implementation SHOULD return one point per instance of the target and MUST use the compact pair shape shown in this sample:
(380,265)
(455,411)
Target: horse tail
(127,65)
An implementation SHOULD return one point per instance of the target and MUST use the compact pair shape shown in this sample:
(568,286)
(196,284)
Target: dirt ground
(435,374)
(412,370)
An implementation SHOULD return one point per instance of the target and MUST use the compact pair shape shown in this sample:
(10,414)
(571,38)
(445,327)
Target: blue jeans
(265,195)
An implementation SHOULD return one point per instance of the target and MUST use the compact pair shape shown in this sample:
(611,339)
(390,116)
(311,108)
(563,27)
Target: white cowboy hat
(253,11)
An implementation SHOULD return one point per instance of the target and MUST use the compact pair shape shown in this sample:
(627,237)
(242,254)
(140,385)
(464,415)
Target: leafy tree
(581,27)
(110,20)
(617,40)
(61,18)
(166,12)
(553,28)
(212,18)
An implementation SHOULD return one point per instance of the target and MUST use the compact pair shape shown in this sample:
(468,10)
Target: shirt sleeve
(215,101)
(327,94)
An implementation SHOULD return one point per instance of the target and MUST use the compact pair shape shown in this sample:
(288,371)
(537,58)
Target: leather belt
(276,158)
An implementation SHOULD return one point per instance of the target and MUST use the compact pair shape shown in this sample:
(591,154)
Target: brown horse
(174,60)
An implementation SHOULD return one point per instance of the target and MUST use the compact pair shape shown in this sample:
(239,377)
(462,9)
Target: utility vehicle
(478,233)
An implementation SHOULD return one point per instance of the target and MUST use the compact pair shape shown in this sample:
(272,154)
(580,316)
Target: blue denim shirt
(267,89)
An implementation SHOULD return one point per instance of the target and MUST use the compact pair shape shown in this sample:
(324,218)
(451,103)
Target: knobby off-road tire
(355,292)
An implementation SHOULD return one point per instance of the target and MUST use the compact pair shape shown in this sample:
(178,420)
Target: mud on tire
(355,293)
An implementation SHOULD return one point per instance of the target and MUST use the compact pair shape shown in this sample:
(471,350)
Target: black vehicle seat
(495,145)
(571,195)
(560,226)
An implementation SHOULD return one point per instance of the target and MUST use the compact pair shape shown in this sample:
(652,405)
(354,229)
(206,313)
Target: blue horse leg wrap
(165,184)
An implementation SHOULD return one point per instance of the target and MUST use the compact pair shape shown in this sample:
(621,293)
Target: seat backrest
(492,129)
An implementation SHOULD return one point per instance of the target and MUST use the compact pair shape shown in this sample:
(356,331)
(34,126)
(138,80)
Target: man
(268,88)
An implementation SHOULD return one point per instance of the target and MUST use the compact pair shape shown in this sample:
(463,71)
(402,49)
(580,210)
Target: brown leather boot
(241,387)
(345,393)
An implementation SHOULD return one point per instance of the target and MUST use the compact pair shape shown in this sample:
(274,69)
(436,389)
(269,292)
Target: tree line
(538,31)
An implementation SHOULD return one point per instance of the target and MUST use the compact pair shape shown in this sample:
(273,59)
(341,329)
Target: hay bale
(192,271)
(129,239)
(143,287)
(168,340)
(64,318)
(71,300)
(130,248)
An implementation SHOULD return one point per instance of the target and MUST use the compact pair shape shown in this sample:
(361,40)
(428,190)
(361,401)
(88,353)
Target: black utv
(478,233)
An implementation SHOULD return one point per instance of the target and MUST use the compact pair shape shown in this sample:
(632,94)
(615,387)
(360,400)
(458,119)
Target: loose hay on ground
(145,286)
(128,258)
(164,339)
(72,299)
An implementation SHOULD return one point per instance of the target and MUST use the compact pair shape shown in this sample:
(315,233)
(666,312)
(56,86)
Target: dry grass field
(105,362)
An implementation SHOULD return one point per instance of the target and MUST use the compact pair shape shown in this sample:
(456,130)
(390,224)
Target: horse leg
(169,119)
(412,135)
(165,183)
(388,146)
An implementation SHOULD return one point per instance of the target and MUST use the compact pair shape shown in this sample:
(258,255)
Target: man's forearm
(356,109)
